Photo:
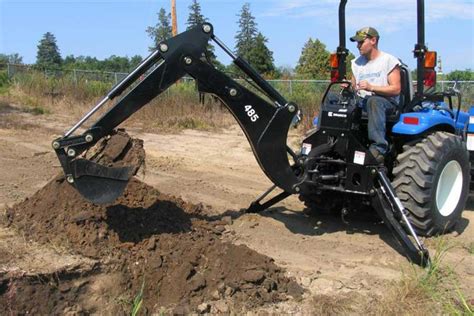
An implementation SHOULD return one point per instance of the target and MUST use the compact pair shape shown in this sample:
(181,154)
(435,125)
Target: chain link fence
(297,90)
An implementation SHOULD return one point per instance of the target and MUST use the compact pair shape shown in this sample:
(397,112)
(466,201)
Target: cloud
(389,17)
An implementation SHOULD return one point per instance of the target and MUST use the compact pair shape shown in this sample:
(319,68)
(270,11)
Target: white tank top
(374,71)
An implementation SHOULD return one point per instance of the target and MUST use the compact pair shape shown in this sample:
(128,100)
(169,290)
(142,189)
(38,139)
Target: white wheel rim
(449,188)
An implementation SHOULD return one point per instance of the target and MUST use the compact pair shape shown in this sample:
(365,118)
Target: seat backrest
(406,93)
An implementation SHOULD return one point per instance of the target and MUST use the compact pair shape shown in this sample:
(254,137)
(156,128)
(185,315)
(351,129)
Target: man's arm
(393,88)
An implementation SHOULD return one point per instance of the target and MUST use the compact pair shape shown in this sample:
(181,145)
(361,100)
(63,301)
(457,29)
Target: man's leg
(377,107)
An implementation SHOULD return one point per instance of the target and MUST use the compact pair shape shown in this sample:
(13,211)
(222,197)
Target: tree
(314,61)
(245,38)
(349,58)
(48,55)
(11,59)
(195,17)
(285,72)
(260,57)
(161,31)
(135,60)
(460,75)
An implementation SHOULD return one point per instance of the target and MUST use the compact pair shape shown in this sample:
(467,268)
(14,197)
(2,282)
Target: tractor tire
(432,180)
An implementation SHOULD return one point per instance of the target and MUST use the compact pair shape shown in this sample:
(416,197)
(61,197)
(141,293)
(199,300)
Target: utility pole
(174,21)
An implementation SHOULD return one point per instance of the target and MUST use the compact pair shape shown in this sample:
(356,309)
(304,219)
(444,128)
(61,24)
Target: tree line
(250,44)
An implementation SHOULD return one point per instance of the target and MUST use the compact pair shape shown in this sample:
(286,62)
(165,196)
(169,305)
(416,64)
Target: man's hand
(365,85)
(345,85)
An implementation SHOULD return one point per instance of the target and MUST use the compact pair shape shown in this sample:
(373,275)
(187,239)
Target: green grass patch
(4,82)
(36,110)
(138,301)
(440,282)
(470,248)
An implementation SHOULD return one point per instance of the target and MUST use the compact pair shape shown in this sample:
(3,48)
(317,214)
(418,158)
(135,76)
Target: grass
(430,291)
(434,290)
(175,109)
(333,305)
(138,301)
(470,248)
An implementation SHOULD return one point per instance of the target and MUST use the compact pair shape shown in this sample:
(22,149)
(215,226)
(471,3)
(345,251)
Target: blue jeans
(377,108)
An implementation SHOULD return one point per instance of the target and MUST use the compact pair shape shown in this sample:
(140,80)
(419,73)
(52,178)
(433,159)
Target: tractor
(422,188)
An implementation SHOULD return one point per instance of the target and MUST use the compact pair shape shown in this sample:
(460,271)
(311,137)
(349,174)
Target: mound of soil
(158,243)
(118,150)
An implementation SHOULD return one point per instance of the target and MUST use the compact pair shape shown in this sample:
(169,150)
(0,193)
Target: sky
(117,27)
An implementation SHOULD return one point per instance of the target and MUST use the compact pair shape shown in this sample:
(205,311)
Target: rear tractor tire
(432,180)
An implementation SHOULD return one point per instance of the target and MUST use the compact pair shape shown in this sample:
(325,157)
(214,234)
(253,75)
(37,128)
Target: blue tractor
(421,189)
(431,144)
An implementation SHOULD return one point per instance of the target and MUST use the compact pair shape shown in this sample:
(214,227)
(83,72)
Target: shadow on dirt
(321,224)
(137,224)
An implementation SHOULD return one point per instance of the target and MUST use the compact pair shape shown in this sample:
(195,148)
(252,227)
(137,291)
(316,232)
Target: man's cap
(363,33)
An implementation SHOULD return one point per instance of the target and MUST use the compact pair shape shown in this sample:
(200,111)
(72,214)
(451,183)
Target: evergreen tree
(48,52)
(245,38)
(314,61)
(195,17)
(260,57)
(161,31)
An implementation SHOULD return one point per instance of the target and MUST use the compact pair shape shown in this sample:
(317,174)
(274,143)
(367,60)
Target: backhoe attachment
(264,123)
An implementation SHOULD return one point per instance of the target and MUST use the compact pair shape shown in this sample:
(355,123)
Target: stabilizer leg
(387,205)
(256,207)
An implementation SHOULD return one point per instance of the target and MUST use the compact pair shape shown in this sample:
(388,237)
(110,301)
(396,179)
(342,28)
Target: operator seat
(406,95)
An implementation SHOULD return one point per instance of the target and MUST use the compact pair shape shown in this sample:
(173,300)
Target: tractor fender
(470,126)
(415,123)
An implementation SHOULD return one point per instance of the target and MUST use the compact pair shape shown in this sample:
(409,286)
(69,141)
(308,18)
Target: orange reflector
(430,59)
(334,61)
(411,120)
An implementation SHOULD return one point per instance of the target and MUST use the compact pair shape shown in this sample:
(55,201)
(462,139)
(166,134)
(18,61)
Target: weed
(470,248)
(333,305)
(433,290)
(36,110)
(138,301)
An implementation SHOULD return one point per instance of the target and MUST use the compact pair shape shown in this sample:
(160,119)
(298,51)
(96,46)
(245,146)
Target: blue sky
(104,28)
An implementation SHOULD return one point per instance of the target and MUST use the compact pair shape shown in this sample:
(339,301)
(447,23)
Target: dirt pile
(118,150)
(146,239)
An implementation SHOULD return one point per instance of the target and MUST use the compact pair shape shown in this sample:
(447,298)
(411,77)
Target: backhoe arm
(266,125)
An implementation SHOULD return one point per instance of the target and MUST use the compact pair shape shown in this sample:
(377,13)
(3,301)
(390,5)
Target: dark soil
(118,150)
(151,240)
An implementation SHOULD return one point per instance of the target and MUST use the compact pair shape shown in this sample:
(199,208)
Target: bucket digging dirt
(146,239)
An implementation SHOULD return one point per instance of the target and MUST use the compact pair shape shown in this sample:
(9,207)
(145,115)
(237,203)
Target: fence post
(291,87)
(8,71)
(75,76)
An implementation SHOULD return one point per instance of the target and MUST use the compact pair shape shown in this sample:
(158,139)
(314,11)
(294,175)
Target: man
(376,78)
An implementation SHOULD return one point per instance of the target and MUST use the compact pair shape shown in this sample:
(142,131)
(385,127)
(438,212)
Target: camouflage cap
(363,33)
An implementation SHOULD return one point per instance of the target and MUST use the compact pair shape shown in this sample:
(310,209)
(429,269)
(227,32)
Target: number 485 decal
(251,113)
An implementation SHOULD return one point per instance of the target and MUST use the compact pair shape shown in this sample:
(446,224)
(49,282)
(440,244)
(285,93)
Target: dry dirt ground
(207,177)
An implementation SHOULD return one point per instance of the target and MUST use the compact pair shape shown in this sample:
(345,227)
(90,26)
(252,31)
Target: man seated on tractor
(376,78)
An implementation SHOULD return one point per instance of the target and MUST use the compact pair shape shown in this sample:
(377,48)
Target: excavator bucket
(97,183)
(102,172)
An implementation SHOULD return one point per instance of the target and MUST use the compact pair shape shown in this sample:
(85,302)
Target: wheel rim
(449,188)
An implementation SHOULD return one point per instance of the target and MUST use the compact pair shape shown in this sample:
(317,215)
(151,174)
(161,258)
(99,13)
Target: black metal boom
(266,125)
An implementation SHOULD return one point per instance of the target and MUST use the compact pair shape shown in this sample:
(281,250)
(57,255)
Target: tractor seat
(405,96)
